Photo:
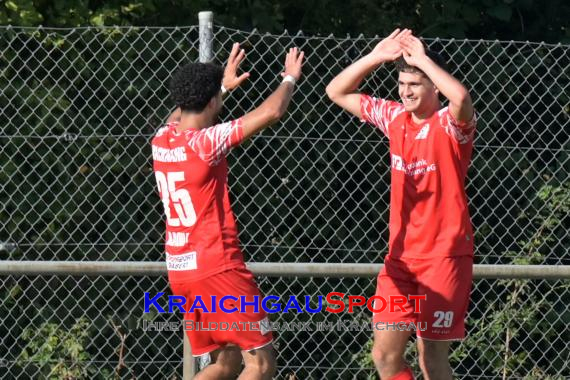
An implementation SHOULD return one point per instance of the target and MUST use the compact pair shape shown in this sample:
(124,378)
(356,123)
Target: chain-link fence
(77,111)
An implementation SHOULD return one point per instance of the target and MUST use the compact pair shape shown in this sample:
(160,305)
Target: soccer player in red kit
(203,256)
(431,240)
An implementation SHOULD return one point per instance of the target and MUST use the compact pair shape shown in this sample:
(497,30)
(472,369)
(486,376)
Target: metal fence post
(188,370)
(206,21)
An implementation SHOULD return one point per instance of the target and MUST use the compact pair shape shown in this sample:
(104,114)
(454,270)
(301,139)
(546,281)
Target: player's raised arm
(460,104)
(230,79)
(342,89)
(274,107)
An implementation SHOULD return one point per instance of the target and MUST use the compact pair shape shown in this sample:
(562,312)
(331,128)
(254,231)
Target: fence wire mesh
(95,327)
(78,109)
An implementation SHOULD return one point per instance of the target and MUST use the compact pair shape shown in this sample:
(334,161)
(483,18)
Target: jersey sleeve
(213,143)
(379,112)
(461,132)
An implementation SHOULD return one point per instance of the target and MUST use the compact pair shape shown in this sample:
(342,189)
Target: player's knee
(433,362)
(264,368)
(264,365)
(385,358)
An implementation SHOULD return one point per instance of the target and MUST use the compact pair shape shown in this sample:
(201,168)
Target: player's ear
(212,102)
(435,87)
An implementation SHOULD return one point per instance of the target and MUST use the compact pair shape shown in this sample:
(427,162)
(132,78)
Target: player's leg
(395,280)
(260,364)
(447,283)
(225,364)
(225,361)
(388,354)
(249,328)
(434,359)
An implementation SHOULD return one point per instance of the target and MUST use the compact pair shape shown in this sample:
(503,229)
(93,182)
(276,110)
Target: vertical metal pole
(188,370)
(206,20)
(206,23)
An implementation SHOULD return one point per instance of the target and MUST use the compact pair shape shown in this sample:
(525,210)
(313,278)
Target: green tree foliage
(488,19)
(56,353)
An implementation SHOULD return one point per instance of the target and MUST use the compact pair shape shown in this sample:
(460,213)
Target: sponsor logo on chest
(414,168)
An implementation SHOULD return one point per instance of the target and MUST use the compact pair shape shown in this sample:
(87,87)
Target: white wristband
(224,90)
(289,78)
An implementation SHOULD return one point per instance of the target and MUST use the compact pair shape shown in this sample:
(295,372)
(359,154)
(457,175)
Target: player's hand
(293,63)
(390,49)
(231,79)
(414,50)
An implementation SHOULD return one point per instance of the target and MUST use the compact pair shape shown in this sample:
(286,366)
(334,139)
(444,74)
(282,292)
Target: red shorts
(446,283)
(209,331)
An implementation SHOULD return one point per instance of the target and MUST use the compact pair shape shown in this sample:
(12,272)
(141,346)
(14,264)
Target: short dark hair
(402,66)
(195,84)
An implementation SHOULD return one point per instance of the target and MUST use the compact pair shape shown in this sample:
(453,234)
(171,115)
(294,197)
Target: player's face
(416,91)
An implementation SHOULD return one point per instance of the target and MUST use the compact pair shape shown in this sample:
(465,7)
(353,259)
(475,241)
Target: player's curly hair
(402,66)
(195,84)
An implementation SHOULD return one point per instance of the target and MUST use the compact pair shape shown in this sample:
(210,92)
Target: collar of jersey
(172,128)
(415,126)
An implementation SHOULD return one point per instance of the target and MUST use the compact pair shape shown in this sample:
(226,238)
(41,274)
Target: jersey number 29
(180,199)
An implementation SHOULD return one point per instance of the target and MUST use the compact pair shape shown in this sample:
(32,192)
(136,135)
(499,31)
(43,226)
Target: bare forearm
(280,98)
(270,111)
(349,79)
(459,99)
(342,89)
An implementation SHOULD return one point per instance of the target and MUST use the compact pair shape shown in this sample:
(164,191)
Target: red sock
(405,374)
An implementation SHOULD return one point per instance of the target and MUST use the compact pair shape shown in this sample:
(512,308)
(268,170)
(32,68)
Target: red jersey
(429,215)
(192,173)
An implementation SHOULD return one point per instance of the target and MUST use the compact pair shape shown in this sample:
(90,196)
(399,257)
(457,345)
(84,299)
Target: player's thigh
(229,355)
(248,325)
(447,285)
(201,340)
(395,282)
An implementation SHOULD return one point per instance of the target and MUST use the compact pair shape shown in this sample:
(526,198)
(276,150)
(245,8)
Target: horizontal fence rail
(516,322)
(127,268)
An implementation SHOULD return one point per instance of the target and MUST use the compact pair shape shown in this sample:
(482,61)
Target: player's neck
(194,121)
(419,116)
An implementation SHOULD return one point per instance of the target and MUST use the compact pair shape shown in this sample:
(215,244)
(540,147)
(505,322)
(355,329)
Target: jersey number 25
(180,199)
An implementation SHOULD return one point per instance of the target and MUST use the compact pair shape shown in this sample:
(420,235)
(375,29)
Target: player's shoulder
(386,109)
(378,101)
(398,113)
(443,112)
(159,136)
(162,131)
(445,118)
